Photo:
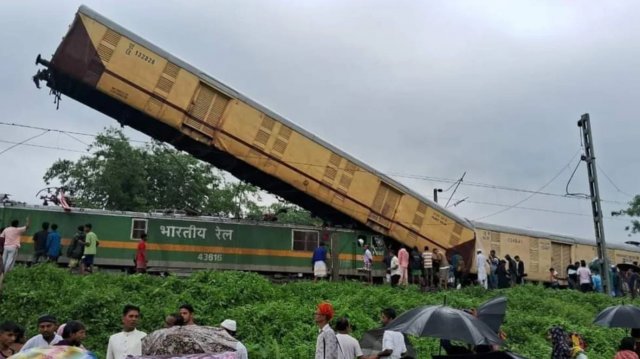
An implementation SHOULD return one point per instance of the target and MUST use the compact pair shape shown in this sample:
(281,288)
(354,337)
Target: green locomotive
(180,243)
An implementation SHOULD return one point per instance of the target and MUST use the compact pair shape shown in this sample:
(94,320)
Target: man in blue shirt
(53,244)
(319,261)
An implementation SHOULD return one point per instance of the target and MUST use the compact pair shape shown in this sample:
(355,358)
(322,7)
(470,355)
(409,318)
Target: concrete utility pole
(590,158)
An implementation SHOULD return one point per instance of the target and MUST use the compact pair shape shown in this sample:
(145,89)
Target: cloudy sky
(422,90)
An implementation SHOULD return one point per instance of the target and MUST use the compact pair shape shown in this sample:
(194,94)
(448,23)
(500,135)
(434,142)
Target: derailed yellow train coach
(108,68)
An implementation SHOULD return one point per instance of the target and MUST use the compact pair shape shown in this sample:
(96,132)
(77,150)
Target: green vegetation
(275,320)
(119,176)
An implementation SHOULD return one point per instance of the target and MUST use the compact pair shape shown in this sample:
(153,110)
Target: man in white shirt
(230,326)
(396,271)
(481,263)
(47,326)
(392,342)
(129,340)
(368,261)
(348,346)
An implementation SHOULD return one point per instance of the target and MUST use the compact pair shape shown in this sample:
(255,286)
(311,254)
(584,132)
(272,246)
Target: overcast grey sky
(413,88)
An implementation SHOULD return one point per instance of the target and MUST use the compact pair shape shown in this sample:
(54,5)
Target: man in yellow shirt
(90,249)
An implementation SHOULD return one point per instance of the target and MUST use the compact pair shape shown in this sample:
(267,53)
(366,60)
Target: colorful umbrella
(227,355)
(55,352)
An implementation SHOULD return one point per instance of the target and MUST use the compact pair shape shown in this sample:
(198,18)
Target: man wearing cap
(327,342)
(481,262)
(47,328)
(230,326)
(129,340)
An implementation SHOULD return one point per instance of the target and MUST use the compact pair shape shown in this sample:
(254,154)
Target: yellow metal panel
(622,256)
(122,91)
(585,252)
(95,29)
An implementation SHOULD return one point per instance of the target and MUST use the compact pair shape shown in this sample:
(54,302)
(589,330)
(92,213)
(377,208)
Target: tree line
(116,175)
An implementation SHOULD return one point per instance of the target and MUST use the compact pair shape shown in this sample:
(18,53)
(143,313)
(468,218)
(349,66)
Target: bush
(276,321)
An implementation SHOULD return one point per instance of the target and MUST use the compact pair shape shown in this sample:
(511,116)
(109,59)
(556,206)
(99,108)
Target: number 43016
(210,257)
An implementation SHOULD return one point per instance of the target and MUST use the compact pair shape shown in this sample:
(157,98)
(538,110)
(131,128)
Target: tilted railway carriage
(178,243)
(112,70)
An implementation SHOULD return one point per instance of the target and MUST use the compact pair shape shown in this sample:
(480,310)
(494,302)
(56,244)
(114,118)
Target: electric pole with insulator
(590,158)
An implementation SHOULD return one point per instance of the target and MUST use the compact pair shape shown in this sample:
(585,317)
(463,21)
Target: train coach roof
(160,215)
(551,236)
(235,94)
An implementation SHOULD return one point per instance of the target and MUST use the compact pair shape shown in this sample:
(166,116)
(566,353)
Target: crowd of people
(127,342)
(47,244)
(433,270)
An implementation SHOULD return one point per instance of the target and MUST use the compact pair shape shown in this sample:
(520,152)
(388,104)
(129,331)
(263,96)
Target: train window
(138,226)
(305,240)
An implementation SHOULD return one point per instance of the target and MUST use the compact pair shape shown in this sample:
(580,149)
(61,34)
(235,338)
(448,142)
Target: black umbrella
(492,312)
(619,316)
(626,266)
(439,321)
(371,343)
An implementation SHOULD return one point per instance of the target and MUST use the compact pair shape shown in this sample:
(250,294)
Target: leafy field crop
(276,320)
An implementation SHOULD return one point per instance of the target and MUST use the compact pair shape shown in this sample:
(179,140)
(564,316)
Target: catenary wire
(391,174)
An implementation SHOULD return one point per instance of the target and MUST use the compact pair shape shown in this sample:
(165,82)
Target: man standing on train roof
(53,244)
(186,312)
(403,259)
(230,326)
(47,326)
(129,340)
(481,263)
(90,249)
(11,237)
(40,243)
(319,262)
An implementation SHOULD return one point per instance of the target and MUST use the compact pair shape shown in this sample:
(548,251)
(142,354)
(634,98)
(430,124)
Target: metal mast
(590,158)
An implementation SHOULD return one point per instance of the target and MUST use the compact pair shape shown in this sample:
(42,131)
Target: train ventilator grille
(206,110)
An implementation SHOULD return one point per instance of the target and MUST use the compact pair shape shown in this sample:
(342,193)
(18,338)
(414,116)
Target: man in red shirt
(141,254)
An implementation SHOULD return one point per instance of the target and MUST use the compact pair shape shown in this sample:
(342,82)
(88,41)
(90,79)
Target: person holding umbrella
(392,342)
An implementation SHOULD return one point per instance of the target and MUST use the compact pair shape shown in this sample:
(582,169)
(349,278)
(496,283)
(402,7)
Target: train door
(560,257)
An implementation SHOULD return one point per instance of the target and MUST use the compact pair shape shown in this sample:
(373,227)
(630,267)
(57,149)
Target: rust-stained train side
(116,72)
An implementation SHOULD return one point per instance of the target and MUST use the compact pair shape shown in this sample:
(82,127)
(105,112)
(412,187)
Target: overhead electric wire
(533,194)
(23,142)
(390,174)
(613,184)
(42,146)
(566,188)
